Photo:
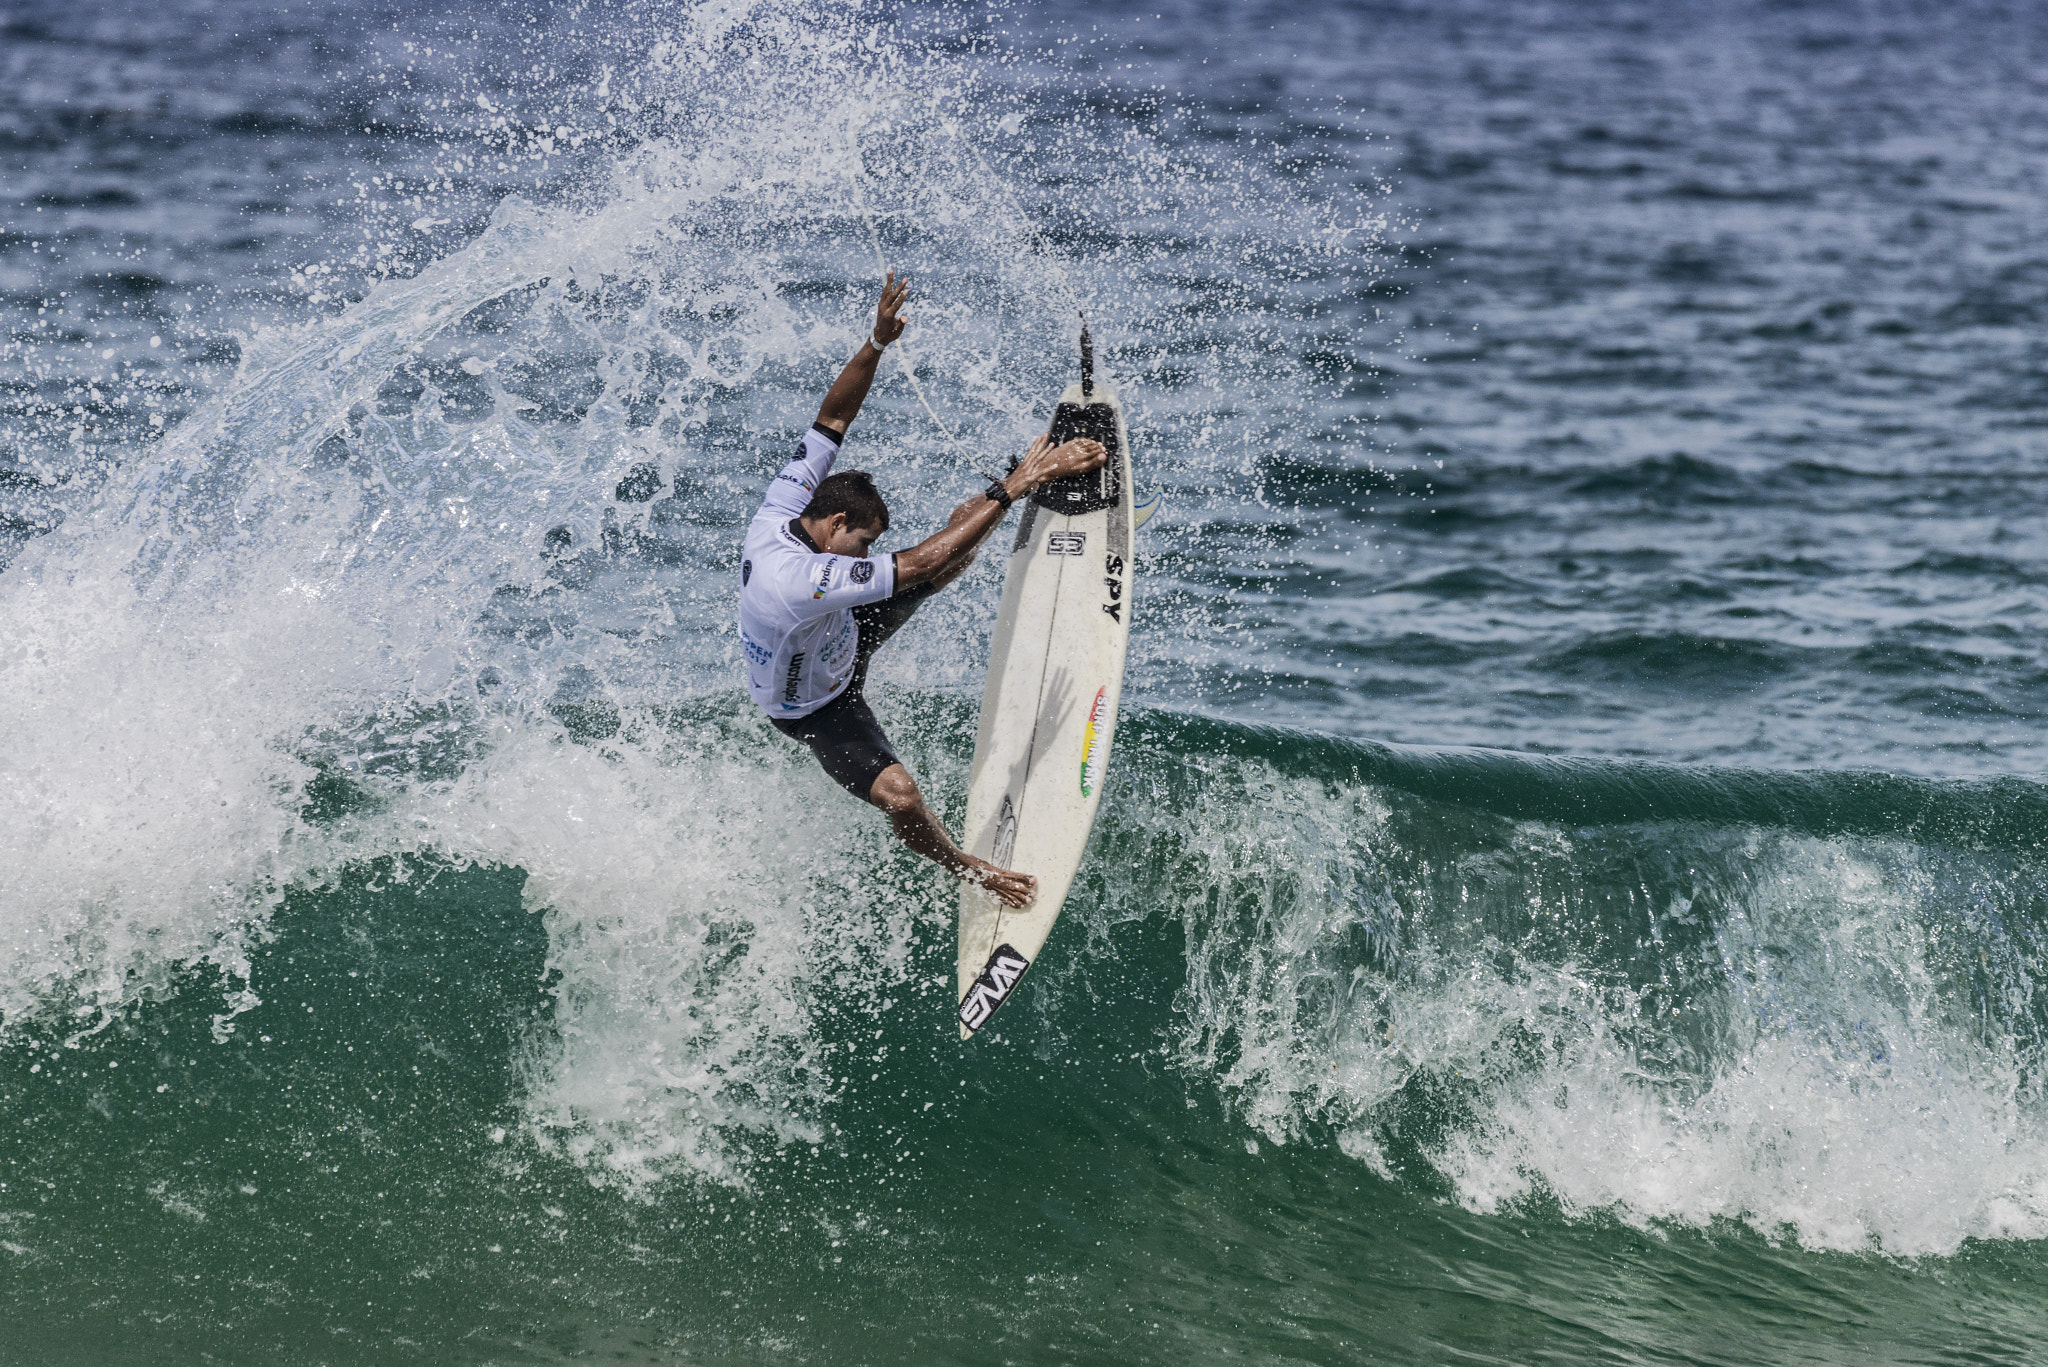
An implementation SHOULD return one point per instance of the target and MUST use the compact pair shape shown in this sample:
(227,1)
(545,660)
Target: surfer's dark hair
(851,492)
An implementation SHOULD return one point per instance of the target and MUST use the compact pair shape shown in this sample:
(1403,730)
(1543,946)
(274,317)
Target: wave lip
(2009,814)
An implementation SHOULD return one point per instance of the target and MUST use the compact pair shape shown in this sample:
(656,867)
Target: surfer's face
(836,537)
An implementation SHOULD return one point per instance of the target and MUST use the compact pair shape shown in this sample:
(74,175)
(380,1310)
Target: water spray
(1029,230)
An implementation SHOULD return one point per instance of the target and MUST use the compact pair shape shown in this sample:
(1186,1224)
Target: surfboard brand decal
(1066,543)
(1098,721)
(1113,584)
(1006,835)
(993,987)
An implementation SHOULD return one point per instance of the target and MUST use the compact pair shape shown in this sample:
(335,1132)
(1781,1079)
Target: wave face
(1658,1015)
(547,1063)
(414,947)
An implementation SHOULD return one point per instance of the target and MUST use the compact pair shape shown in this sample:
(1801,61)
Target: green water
(359,1170)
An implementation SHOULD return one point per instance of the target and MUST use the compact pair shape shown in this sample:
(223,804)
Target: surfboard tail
(988,992)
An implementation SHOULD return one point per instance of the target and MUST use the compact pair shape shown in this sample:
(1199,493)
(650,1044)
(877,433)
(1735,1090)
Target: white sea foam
(1911,1157)
(679,891)
(1851,1102)
(1827,1077)
(140,820)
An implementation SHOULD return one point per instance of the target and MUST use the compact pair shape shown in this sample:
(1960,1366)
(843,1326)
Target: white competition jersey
(796,623)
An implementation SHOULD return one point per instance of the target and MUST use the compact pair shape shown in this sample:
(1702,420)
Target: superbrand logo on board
(1092,741)
(993,987)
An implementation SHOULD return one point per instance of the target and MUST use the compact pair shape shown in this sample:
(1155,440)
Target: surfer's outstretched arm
(850,390)
(940,557)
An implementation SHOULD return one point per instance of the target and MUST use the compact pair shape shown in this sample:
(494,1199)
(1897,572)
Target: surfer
(816,603)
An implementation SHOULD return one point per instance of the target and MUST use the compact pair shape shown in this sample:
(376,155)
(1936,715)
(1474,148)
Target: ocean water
(1570,884)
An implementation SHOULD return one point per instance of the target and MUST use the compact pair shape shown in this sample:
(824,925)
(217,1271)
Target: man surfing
(815,603)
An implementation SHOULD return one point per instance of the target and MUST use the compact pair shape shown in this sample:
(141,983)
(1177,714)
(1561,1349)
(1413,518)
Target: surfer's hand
(1014,890)
(888,327)
(1044,462)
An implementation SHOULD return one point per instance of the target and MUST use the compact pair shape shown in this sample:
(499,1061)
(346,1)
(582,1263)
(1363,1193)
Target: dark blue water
(413,948)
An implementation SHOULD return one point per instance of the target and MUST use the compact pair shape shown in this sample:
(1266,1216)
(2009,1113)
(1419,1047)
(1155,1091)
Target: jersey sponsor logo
(1096,732)
(800,483)
(993,987)
(746,572)
(793,679)
(825,576)
(1066,543)
(860,571)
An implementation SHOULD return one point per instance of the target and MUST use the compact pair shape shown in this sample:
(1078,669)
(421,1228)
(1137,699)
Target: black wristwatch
(996,493)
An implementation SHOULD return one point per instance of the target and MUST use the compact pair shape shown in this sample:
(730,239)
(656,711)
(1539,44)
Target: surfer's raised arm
(844,398)
(941,556)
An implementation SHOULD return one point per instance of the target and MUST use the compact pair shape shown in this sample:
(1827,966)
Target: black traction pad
(1098,489)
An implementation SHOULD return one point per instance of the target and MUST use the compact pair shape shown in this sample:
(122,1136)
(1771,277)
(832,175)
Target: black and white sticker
(1065,543)
(992,988)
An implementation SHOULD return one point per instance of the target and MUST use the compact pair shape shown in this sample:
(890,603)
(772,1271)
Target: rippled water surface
(1570,882)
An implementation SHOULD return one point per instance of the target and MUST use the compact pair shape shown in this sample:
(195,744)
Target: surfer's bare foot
(895,792)
(1012,889)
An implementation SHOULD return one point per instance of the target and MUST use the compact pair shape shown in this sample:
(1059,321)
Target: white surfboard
(1055,674)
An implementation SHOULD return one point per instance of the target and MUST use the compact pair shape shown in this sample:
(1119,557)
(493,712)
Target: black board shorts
(844,734)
